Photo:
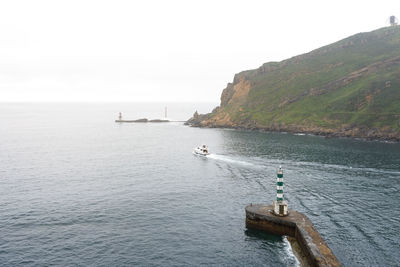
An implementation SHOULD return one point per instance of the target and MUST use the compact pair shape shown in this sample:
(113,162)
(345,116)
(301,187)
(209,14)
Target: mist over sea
(78,189)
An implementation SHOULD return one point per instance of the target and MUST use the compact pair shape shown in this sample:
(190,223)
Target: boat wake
(230,160)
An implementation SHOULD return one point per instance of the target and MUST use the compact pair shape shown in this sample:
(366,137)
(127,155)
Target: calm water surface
(78,189)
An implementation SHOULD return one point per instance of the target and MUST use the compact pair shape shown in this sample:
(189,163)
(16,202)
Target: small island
(138,120)
(142,120)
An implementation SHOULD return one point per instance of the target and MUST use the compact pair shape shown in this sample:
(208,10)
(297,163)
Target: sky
(161,51)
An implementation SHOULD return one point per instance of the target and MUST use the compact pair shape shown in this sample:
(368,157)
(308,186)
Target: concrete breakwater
(296,225)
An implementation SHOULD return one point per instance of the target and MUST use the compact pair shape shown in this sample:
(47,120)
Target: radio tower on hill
(393,21)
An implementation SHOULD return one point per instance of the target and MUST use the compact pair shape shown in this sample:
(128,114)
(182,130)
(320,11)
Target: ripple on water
(91,192)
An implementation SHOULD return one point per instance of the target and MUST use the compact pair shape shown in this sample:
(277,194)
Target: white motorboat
(201,150)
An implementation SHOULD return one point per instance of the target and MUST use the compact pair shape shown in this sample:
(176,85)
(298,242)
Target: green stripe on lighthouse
(279,183)
(280,205)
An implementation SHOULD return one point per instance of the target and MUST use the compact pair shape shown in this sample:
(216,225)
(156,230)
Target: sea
(79,189)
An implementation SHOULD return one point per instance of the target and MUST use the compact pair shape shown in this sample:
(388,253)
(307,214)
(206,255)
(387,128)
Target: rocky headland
(350,88)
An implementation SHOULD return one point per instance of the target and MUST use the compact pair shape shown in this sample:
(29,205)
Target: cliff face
(232,99)
(349,88)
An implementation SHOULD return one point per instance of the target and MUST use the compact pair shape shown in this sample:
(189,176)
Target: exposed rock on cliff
(349,88)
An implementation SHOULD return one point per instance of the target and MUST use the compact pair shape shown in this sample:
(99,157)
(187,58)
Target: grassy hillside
(351,85)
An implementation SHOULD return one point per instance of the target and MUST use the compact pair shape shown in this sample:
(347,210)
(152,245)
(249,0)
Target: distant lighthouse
(166,112)
(280,206)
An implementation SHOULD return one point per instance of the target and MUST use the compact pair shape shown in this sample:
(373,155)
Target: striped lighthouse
(280,206)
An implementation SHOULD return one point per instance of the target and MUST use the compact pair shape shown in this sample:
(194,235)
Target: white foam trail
(325,166)
(289,252)
(229,159)
(340,167)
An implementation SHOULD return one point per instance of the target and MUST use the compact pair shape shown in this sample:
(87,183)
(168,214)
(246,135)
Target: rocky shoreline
(202,121)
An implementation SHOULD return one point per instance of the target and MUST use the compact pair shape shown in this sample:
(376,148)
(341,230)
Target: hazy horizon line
(103,102)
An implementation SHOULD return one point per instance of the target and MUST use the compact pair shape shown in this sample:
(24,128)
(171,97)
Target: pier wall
(296,225)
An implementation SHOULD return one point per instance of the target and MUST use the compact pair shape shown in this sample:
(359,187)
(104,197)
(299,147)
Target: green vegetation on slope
(353,83)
